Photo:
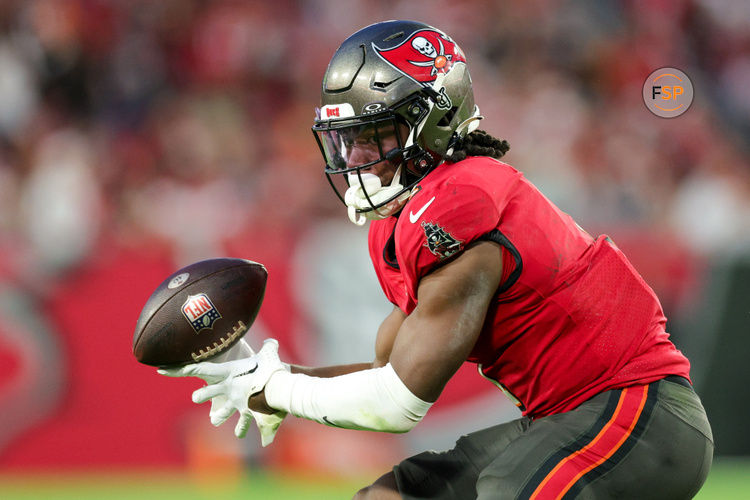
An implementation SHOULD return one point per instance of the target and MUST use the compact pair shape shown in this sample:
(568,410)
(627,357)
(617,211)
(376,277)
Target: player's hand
(231,383)
(267,423)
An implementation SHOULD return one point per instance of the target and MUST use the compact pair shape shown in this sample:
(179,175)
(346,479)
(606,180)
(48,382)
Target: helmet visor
(349,145)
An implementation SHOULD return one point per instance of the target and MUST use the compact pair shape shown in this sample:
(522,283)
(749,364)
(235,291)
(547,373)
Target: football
(199,312)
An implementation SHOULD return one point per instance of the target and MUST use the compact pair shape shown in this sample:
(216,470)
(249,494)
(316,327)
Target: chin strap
(356,199)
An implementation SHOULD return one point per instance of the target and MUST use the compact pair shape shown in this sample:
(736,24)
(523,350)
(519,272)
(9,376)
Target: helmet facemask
(360,150)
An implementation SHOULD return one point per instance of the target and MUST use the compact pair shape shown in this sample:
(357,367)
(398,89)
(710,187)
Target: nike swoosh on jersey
(414,217)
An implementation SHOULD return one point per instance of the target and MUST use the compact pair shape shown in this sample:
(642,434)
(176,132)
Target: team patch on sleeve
(440,242)
(443,220)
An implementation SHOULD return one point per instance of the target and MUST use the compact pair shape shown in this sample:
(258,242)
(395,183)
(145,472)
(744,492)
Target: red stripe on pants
(614,433)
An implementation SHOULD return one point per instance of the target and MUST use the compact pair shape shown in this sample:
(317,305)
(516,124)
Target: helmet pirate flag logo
(423,55)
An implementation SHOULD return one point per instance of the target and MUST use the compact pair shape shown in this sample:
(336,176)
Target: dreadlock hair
(478,143)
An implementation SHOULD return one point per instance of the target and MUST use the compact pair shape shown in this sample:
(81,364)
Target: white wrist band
(374,399)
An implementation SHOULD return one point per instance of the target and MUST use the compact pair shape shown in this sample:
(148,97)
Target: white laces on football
(356,200)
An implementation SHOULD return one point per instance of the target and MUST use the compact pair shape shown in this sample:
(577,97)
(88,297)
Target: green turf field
(729,480)
(169,486)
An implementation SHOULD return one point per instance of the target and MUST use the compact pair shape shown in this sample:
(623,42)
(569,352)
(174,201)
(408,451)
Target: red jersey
(571,318)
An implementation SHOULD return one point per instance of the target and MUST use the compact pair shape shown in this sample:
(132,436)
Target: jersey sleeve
(438,225)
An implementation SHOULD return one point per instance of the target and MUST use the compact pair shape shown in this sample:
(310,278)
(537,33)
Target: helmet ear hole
(447,118)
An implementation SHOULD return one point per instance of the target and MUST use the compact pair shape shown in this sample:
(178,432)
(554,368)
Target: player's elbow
(390,425)
(405,427)
(384,404)
(402,409)
(396,423)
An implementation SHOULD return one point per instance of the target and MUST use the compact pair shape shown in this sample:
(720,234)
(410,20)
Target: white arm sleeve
(375,399)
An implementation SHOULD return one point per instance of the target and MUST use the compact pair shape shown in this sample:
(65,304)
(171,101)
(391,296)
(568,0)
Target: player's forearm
(258,401)
(330,371)
(374,399)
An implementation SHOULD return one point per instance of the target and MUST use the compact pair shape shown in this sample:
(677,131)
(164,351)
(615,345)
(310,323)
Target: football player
(480,267)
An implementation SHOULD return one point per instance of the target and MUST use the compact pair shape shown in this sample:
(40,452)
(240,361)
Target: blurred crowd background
(139,136)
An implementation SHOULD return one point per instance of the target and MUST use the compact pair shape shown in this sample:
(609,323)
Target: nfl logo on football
(200,312)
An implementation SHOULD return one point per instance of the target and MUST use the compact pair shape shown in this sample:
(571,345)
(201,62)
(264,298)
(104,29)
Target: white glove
(233,382)
(238,351)
(267,424)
